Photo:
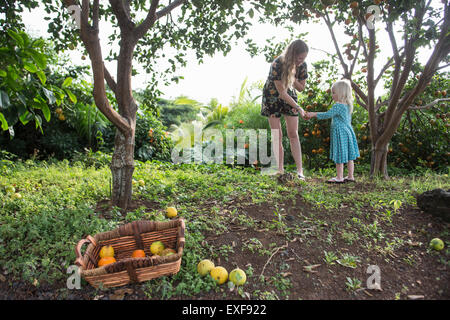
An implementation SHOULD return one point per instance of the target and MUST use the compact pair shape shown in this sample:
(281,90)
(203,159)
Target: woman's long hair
(288,58)
(343,89)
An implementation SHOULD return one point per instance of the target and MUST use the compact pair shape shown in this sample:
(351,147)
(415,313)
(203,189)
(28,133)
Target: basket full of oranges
(134,252)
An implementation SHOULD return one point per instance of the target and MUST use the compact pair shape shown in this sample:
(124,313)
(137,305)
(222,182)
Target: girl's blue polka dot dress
(343,144)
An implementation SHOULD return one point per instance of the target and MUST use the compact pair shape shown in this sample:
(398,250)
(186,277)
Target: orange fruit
(138,254)
(106,260)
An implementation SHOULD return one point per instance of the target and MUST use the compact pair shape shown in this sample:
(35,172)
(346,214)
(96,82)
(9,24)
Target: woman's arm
(284,95)
(300,84)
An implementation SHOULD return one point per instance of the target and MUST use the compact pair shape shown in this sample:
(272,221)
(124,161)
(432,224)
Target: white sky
(221,77)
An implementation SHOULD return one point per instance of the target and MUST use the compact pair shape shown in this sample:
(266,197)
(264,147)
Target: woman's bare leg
(296,149)
(275,124)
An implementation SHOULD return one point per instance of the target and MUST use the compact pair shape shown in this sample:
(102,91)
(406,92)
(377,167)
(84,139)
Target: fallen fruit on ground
(205,266)
(106,251)
(168,252)
(106,260)
(17,196)
(238,277)
(171,212)
(437,244)
(157,247)
(219,274)
(10,189)
(138,254)
(141,183)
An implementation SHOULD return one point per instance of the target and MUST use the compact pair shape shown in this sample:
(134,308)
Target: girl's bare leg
(351,169)
(340,171)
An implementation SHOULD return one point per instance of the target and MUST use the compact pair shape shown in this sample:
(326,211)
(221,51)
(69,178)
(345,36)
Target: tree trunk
(378,161)
(122,168)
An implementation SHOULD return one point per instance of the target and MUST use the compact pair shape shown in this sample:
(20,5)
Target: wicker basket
(124,240)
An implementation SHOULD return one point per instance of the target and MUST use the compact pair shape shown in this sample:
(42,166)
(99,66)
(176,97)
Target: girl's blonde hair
(343,89)
(288,58)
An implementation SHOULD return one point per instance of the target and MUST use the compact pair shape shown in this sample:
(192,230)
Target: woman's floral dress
(271,102)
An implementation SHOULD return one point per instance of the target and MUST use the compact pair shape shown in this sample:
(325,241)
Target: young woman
(288,73)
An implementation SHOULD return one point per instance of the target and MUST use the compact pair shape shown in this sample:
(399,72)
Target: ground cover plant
(296,240)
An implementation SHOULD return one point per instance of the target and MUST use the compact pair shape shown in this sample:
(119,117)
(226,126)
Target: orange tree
(419,24)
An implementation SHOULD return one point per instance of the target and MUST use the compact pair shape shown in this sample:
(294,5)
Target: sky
(221,77)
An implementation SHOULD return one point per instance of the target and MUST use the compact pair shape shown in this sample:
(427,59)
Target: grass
(39,231)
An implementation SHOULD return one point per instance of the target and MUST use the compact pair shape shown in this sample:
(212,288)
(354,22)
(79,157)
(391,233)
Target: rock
(435,202)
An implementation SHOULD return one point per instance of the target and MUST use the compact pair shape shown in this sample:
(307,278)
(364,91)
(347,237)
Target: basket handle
(79,261)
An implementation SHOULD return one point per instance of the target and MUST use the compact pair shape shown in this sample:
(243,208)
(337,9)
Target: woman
(288,73)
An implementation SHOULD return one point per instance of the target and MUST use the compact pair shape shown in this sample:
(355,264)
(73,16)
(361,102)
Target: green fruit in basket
(168,252)
(204,267)
(437,244)
(157,248)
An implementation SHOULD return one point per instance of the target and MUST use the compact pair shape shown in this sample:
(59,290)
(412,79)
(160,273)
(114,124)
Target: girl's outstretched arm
(329,114)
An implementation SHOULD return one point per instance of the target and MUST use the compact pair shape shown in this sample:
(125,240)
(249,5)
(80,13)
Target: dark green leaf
(41,76)
(67,82)
(46,111)
(17,38)
(30,67)
(72,97)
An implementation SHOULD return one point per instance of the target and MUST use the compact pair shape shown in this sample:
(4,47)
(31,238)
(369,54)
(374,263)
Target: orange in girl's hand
(106,260)
(138,254)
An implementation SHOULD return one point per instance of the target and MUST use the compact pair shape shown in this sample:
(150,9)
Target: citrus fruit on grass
(168,252)
(238,277)
(205,266)
(437,244)
(106,260)
(171,212)
(138,254)
(157,247)
(219,274)
(106,251)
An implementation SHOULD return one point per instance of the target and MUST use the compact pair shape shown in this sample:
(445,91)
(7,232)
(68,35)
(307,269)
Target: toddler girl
(343,145)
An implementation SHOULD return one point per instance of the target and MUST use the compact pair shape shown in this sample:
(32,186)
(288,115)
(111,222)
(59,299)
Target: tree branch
(142,29)
(90,38)
(95,15)
(169,8)
(326,18)
(109,79)
(123,17)
(427,106)
(152,16)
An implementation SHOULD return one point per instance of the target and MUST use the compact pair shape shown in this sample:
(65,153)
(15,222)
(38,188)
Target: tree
(203,26)
(420,24)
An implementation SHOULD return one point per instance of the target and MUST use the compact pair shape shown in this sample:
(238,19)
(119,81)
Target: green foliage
(25,93)
(178,111)
(152,140)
